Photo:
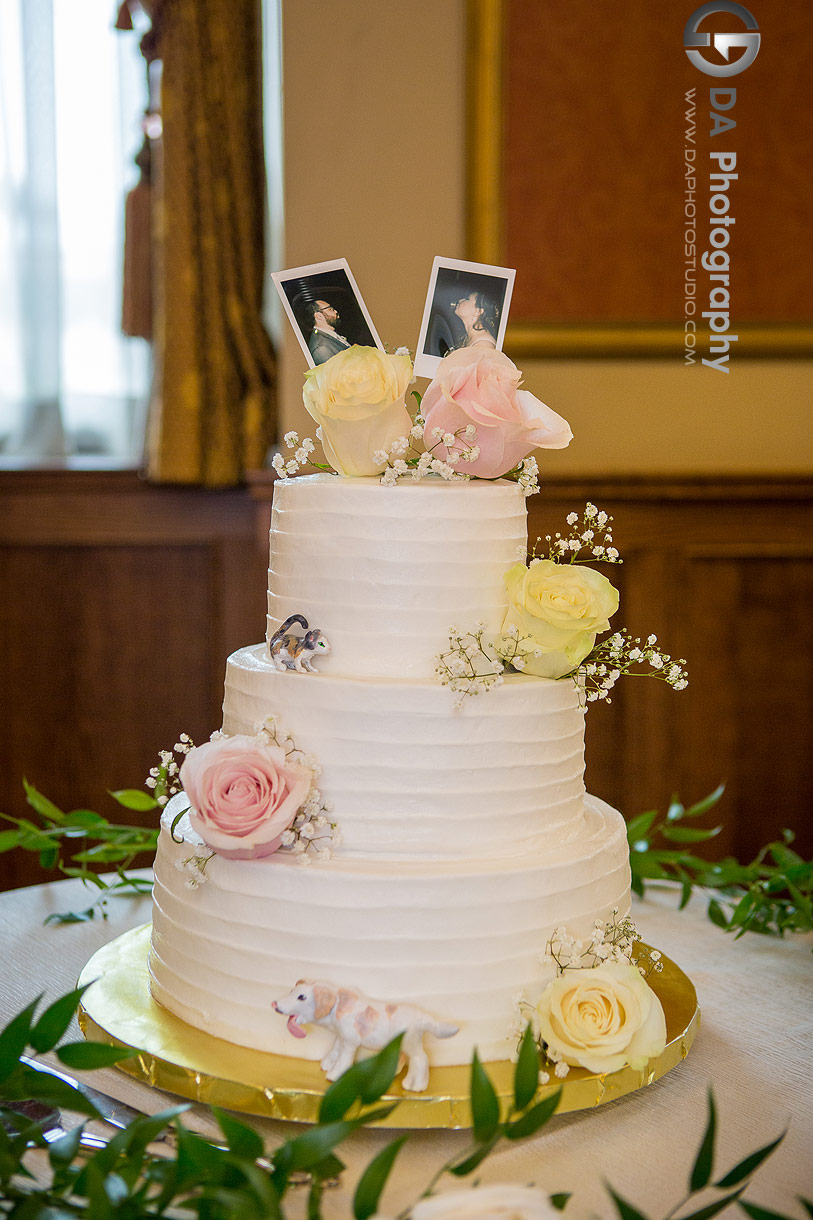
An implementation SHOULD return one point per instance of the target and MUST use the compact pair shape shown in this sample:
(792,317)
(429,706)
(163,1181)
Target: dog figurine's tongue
(294,1028)
(292,1023)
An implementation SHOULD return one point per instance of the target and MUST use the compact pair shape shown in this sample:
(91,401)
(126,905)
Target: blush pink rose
(480,386)
(243,795)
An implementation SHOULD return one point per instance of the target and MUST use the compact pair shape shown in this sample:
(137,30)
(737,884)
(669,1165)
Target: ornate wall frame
(488,51)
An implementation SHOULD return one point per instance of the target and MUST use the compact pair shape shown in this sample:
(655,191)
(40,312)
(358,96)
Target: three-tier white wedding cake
(467,836)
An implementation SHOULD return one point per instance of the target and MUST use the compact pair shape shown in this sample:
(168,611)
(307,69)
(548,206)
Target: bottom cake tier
(458,940)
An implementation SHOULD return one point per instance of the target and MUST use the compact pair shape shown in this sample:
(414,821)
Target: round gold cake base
(175,1056)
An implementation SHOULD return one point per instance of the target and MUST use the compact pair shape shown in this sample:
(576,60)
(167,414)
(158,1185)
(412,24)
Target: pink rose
(481,387)
(243,795)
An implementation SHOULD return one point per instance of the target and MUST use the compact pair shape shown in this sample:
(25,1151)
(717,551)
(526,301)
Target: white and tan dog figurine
(359,1022)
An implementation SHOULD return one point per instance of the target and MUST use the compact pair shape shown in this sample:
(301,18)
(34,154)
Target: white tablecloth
(754,1049)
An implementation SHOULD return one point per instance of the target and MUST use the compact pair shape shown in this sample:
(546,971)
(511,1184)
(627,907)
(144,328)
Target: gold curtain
(212,409)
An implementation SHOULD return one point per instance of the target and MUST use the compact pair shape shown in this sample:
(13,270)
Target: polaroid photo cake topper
(325,308)
(467,304)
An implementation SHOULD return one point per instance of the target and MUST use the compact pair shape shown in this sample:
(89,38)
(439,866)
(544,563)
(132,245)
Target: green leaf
(625,1210)
(71,916)
(526,1073)
(242,1140)
(763,1213)
(55,1020)
(704,1161)
(86,1055)
(644,864)
(86,819)
(26,1082)
(471,1162)
(676,810)
(373,1180)
(716,914)
(66,1149)
(640,826)
(559,1201)
(49,858)
(14,1038)
(485,1107)
(535,1118)
(365,1081)
(134,798)
(747,1165)
(685,894)
(689,834)
(743,909)
(714,1209)
(45,808)
(309,1149)
(8,840)
(708,802)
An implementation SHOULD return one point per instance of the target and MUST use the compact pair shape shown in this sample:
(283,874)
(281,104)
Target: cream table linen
(753,1048)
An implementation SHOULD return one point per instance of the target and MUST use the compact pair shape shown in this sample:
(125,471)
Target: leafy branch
(89,841)
(216,1181)
(771,895)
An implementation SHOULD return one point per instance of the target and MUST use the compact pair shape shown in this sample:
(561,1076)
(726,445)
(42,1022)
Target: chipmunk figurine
(289,651)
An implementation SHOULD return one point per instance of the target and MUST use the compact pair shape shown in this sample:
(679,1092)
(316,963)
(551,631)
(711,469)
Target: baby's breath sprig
(301,456)
(527,475)
(615,940)
(468,667)
(195,869)
(406,457)
(312,833)
(164,779)
(590,540)
(622,654)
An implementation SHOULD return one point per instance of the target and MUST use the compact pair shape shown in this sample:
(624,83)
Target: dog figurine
(358,1022)
(297,652)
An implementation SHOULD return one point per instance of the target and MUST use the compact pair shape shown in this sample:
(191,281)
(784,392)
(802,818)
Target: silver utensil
(117,1113)
(120,1114)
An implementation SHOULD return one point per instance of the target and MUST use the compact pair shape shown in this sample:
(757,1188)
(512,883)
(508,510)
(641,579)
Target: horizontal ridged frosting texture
(408,774)
(460,940)
(385,571)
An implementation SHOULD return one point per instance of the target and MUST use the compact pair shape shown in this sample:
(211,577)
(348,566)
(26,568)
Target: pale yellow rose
(357,398)
(500,1201)
(602,1018)
(561,607)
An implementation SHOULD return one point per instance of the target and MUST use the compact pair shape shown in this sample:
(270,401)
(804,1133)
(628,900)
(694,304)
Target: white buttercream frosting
(408,774)
(457,939)
(467,835)
(385,571)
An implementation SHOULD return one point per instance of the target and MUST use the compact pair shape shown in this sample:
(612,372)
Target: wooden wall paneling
(119,603)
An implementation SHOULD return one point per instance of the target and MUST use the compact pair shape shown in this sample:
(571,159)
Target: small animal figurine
(297,652)
(357,1021)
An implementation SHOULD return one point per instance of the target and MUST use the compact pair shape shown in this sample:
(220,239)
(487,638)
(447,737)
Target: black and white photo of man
(325,308)
(324,340)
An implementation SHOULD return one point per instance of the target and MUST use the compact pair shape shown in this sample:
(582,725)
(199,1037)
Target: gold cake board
(176,1057)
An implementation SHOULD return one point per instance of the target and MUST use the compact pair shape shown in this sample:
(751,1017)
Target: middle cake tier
(411,776)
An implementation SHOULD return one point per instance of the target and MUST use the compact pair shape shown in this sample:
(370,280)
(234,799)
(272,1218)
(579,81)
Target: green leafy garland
(217,1181)
(772,895)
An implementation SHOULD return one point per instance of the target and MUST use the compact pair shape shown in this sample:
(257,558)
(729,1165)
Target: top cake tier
(384,572)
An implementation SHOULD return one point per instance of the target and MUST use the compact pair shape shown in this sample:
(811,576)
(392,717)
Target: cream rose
(357,398)
(243,795)
(480,386)
(501,1200)
(562,607)
(602,1018)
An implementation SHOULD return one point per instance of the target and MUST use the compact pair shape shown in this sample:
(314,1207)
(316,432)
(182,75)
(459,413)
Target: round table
(753,1049)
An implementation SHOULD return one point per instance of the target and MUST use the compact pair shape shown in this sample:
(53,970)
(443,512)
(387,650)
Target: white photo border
(279,278)
(426,365)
